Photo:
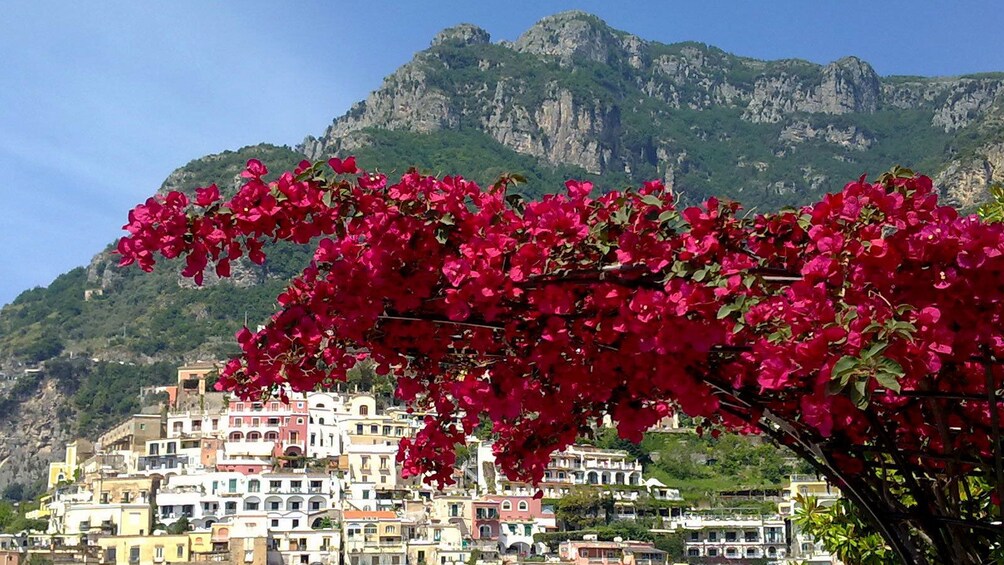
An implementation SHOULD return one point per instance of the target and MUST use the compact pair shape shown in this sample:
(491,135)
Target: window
(274,486)
(296,523)
(294,505)
(366,495)
(730,536)
(315,486)
(454,510)
(275,523)
(506,505)
(127,496)
(751,552)
(731,552)
(396,559)
(712,552)
(375,560)
(527,530)
(364,410)
(712,536)
(143,426)
(134,554)
(273,505)
(294,486)
(693,552)
(694,536)
(232,484)
(523,506)
(437,534)
(254,485)
(315,505)
(373,429)
(158,551)
(181,550)
(359,429)
(386,430)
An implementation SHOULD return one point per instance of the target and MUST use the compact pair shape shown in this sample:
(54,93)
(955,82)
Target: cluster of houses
(210,478)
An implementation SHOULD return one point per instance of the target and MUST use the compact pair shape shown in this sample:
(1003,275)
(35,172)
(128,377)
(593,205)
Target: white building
(733,537)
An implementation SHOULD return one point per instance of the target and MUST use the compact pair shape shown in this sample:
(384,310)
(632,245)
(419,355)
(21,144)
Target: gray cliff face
(569,37)
(965,181)
(33,436)
(845,86)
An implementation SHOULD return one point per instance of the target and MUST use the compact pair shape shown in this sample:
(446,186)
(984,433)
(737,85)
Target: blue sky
(99,102)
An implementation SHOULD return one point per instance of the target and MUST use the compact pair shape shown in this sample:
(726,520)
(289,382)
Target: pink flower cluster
(837,318)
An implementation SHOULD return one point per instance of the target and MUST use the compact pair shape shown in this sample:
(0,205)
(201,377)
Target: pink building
(257,432)
(485,525)
(592,552)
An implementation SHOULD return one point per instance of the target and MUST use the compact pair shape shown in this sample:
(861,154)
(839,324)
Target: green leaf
(859,393)
(843,366)
(652,200)
(725,310)
(887,380)
(874,350)
(446,219)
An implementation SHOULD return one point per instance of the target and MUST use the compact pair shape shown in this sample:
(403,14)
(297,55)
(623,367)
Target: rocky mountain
(571,97)
(573,91)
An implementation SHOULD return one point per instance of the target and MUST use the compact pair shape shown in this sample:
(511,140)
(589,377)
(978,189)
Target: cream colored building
(133,550)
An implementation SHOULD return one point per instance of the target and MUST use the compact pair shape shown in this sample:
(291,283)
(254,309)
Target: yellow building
(65,471)
(805,486)
(126,550)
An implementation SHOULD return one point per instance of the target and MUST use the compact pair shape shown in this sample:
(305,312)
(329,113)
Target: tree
(14,492)
(862,331)
(843,532)
(179,526)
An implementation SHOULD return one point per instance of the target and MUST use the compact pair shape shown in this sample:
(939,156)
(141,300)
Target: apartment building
(804,548)
(733,536)
(594,552)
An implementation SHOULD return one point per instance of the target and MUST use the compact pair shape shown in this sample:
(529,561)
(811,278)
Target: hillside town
(315,480)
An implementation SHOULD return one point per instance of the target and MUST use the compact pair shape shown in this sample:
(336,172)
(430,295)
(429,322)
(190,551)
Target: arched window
(370,529)
(272,436)
(485,531)
(321,420)
(506,505)
(364,410)
(523,506)
(254,436)
(236,436)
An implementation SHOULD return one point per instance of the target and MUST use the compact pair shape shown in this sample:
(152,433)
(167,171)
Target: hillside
(571,97)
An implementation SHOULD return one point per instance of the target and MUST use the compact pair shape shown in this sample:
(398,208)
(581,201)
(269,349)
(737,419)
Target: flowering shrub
(871,314)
